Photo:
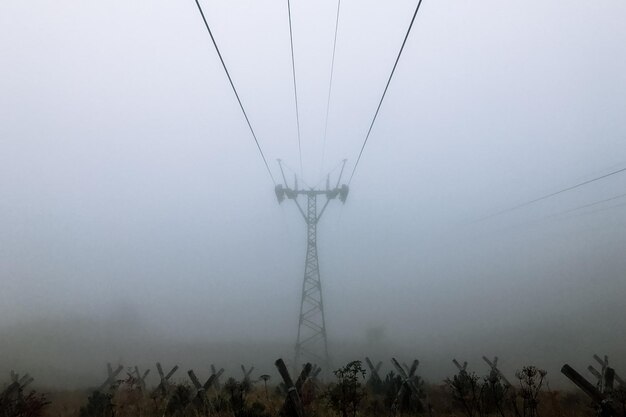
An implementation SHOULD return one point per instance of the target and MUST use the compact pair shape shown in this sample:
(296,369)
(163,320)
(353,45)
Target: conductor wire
(295,87)
(395,65)
(232,84)
(330,85)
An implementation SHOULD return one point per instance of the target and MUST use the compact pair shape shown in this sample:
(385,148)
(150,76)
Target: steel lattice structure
(312,342)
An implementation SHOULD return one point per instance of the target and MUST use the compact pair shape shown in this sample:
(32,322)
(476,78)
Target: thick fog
(138,222)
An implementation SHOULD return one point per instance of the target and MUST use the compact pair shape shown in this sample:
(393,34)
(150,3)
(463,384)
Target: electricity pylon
(312,341)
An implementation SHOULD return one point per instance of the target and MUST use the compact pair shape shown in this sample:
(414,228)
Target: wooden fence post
(293,405)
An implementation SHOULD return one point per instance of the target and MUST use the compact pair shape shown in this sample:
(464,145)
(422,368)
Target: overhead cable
(232,84)
(295,87)
(545,197)
(295,173)
(606,200)
(330,85)
(603,209)
(332,171)
(408,32)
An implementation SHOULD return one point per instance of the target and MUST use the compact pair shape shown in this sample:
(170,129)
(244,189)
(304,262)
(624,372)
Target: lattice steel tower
(312,342)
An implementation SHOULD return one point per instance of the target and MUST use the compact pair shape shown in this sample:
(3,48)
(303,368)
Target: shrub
(467,392)
(345,396)
(180,399)
(98,405)
(531,380)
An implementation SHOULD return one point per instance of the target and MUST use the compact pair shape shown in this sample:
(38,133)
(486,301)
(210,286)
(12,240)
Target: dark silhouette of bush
(468,391)
(345,396)
(98,405)
(237,393)
(13,403)
(531,381)
(182,396)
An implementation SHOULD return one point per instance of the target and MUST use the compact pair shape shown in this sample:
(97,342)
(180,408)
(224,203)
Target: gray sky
(131,184)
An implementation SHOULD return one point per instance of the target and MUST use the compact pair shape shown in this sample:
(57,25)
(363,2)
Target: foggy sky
(132,191)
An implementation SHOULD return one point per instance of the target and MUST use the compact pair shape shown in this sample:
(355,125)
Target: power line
(527,203)
(408,32)
(295,173)
(330,85)
(295,88)
(603,209)
(606,200)
(332,171)
(219,54)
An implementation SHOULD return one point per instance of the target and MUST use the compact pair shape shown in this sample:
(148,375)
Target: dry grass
(130,404)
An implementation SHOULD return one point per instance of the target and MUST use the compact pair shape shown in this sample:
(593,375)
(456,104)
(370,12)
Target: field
(351,391)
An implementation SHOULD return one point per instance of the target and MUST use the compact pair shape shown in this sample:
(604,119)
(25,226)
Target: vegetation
(16,404)
(350,394)
(345,396)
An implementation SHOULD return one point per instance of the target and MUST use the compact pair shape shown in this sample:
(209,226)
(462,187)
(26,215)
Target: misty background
(138,222)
